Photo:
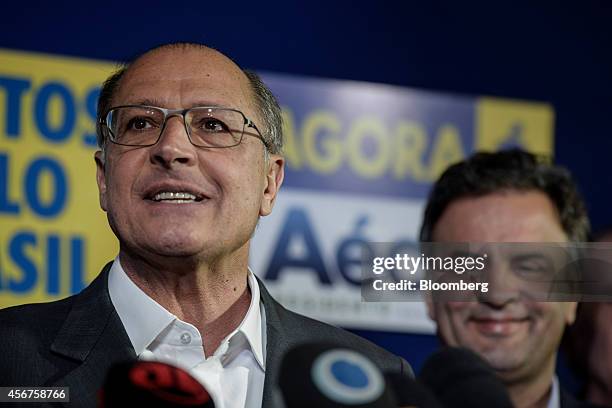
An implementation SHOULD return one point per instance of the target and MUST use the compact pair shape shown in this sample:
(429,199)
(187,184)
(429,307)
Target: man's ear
(431,310)
(101,178)
(274,179)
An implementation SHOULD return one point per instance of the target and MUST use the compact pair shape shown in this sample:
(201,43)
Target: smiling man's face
(232,187)
(515,334)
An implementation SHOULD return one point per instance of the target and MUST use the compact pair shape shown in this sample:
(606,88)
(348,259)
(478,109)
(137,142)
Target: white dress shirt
(233,375)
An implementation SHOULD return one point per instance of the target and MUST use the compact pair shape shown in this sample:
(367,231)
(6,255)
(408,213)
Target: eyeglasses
(206,126)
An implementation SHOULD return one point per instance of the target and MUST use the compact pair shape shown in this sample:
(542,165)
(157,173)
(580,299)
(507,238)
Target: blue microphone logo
(347,377)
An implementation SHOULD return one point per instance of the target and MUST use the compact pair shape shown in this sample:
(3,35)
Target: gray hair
(269,110)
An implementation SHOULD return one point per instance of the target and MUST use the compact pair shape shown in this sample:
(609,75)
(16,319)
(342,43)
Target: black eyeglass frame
(248,123)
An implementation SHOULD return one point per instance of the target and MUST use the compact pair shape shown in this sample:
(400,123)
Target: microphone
(152,384)
(325,375)
(411,393)
(461,379)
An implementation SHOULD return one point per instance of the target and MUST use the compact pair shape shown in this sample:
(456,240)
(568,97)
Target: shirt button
(185,338)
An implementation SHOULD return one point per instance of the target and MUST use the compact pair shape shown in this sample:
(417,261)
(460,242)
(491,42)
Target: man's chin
(185,251)
(167,251)
(505,362)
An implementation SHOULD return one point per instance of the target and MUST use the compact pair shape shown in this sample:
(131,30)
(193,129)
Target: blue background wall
(529,50)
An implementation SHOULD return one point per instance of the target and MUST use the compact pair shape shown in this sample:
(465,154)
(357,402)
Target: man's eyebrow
(159,103)
(530,256)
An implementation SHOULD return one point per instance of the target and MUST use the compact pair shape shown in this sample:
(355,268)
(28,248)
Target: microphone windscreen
(324,375)
(411,393)
(460,378)
(152,384)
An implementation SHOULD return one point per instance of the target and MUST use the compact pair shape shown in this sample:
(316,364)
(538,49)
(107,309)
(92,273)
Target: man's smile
(499,326)
(171,192)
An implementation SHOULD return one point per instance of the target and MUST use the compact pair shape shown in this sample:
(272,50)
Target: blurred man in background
(507,197)
(589,342)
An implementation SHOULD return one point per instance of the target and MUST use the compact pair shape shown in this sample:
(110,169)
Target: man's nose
(503,286)
(173,147)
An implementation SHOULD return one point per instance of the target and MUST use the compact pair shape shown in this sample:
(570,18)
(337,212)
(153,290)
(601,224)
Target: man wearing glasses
(511,207)
(190,158)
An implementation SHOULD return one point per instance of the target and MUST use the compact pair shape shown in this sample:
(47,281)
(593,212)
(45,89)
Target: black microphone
(411,393)
(152,384)
(462,379)
(324,375)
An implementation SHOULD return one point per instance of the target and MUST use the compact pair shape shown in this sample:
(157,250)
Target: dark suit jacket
(568,401)
(73,342)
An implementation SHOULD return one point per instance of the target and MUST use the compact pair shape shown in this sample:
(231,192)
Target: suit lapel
(276,345)
(93,337)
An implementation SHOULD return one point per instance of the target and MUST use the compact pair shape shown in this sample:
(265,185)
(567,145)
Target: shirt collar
(251,326)
(132,304)
(555,394)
